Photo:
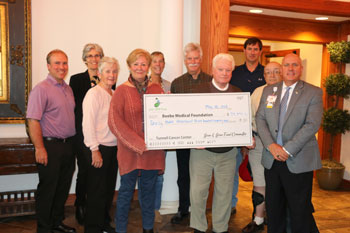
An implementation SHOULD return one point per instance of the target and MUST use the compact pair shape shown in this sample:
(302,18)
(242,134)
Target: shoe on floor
(233,211)
(198,231)
(108,229)
(148,231)
(252,227)
(63,228)
(178,217)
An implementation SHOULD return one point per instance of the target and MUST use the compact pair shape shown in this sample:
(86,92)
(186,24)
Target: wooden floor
(332,215)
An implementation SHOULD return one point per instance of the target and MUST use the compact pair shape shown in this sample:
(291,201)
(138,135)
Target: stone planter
(329,178)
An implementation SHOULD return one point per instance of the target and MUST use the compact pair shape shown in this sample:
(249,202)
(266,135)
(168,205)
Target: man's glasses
(268,72)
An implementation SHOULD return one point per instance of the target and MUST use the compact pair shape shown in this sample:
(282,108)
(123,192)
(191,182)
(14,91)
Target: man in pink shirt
(50,115)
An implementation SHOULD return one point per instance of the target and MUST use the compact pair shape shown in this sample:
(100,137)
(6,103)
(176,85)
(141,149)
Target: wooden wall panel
(304,6)
(344,30)
(214,27)
(282,29)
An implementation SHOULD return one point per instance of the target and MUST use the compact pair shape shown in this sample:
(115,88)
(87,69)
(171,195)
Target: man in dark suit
(287,128)
(80,84)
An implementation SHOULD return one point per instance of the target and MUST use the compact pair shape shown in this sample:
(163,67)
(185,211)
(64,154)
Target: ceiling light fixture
(321,18)
(256,11)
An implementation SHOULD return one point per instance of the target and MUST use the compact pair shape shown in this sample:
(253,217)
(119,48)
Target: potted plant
(335,120)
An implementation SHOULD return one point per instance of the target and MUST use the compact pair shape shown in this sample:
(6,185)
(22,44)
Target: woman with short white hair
(102,156)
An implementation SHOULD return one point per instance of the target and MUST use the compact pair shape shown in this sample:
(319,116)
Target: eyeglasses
(268,72)
(95,56)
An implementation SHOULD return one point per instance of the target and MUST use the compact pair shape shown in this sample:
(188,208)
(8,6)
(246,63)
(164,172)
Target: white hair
(193,47)
(224,56)
(107,60)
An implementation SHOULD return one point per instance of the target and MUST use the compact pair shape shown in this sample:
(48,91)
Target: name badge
(271,99)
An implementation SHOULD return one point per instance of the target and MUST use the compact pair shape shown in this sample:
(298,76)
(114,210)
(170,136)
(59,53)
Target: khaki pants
(202,165)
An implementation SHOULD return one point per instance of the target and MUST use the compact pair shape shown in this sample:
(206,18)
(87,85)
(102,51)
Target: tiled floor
(332,215)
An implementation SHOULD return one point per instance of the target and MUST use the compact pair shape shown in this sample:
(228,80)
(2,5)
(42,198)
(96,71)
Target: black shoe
(63,228)
(198,231)
(80,214)
(108,229)
(233,210)
(178,217)
(148,231)
(252,227)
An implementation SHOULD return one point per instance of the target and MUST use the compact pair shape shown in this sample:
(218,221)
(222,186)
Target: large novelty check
(197,120)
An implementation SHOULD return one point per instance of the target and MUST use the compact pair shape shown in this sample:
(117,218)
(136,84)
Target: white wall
(119,26)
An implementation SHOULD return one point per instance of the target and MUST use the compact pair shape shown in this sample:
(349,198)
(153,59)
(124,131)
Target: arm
(117,123)
(90,111)
(36,136)
(89,124)
(264,132)
(310,126)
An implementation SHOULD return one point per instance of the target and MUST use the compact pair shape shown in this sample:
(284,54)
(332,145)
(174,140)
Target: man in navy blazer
(289,162)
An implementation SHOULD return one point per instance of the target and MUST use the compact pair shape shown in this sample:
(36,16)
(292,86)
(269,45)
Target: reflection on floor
(332,215)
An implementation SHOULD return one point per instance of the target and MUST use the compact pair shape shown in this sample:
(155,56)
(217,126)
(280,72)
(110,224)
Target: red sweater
(125,122)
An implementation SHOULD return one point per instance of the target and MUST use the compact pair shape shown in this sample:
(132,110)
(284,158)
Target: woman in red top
(135,161)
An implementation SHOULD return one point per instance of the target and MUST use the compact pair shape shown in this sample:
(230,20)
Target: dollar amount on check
(197,120)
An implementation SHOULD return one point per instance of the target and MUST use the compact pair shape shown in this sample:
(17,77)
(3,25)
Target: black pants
(83,166)
(101,184)
(54,184)
(183,180)
(283,189)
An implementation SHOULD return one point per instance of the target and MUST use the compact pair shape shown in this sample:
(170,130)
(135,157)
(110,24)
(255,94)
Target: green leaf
(339,52)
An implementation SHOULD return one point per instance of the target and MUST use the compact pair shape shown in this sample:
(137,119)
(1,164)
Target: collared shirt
(219,88)
(95,119)
(186,83)
(284,88)
(247,81)
(52,104)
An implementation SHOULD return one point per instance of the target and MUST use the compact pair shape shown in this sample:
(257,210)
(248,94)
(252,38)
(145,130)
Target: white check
(197,120)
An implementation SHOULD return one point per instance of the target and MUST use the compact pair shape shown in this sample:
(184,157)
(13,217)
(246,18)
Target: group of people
(102,126)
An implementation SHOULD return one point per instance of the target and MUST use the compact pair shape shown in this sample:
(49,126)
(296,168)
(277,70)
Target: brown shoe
(252,227)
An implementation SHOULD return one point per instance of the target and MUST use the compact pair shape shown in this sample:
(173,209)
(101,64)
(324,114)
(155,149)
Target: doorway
(311,55)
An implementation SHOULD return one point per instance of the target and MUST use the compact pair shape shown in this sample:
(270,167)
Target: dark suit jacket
(80,84)
(301,123)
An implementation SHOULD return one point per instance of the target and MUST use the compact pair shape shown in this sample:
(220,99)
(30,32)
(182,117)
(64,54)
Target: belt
(52,139)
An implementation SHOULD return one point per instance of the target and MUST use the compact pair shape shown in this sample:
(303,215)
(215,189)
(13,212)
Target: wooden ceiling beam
(322,7)
(246,25)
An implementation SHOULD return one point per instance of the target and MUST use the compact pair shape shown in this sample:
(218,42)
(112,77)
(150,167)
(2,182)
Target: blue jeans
(147,181)
(159,188)
(236,179)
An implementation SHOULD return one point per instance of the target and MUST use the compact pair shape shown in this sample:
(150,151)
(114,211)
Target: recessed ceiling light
(321,18)
(257,11)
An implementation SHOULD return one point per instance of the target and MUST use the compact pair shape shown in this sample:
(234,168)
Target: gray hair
(224,56)
(193,47)
(107,60)
(89,47)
